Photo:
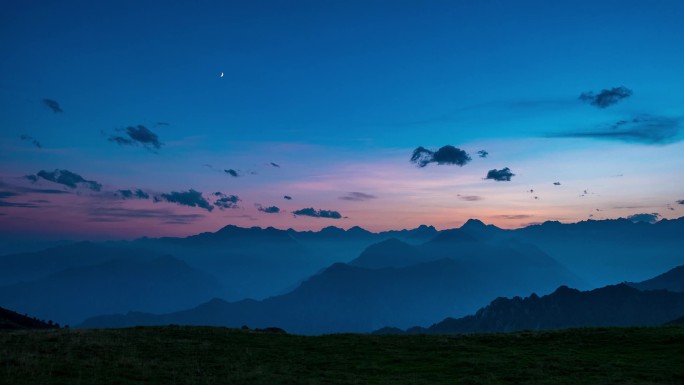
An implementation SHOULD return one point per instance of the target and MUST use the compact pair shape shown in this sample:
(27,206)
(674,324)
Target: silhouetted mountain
(11,320)
(609,251)
(617,305)
(388,253)
(672,280)
(157,285)
(345,298)
(677,322)
(25,267)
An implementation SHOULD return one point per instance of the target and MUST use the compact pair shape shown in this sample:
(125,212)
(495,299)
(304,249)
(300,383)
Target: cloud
(232,172)
(53,105)
(224,201)
(644,217)
(606,98)
(470,198)
(31,139)
(268,210)
(513,216)
(189,198)
(556,183)
(448,155)
(311,212)
(128,194)
(482,153)
(66,178)
(23,189)
(120,214)
(681,202)
(646,129)
(289,198)
(503,175)
(138,135)
(4,203)
(358,196)
(275,164)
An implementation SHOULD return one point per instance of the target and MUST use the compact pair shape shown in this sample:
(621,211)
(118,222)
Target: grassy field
(203,355)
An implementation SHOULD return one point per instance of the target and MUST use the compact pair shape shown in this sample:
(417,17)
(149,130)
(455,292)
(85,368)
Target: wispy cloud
(129,194)
(267,210)
(120,214)
(137,135)
(357,196)
(190,198)
(66,178)
(29,138)
(654,130)
(53,105)
(512,216)
(606,98)
(232,172)
(470,198)
(224,201)
(311,212)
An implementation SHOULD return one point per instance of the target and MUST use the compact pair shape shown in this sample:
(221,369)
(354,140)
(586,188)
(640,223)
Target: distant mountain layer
(617,305)
(11,320)
(390,283)
(69,296)
(672,280)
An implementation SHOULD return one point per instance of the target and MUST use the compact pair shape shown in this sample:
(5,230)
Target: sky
(121,119)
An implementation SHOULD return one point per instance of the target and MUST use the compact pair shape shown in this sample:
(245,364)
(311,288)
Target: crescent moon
(221,74)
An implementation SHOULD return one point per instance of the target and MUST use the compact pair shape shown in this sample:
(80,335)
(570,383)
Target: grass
(204,355)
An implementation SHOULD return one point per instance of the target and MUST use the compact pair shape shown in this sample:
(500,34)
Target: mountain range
(332,280)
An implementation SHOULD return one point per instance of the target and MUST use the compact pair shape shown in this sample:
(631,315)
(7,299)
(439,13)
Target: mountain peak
(473,224)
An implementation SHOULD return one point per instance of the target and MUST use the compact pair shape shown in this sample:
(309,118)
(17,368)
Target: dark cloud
(4,203)
(606,98)
(289,198)
(446,155)
(275,165)
(655,130)
(556,183)
(189,198)
(224,201)
(470,198)
(268,210)
(232,173)
(31,139)
(128,194)
(66,178)
(7,194)
(644,217)
(138,135)
(482,153)
(503,175)
(358,196)
(681,202)
(53,105)
(22,189)
(513,216)
(311,212)
(120,214)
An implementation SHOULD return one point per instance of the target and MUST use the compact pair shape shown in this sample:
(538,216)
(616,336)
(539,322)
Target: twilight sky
(115,121)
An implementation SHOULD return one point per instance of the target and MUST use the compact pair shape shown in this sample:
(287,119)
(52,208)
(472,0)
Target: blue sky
(338,94)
